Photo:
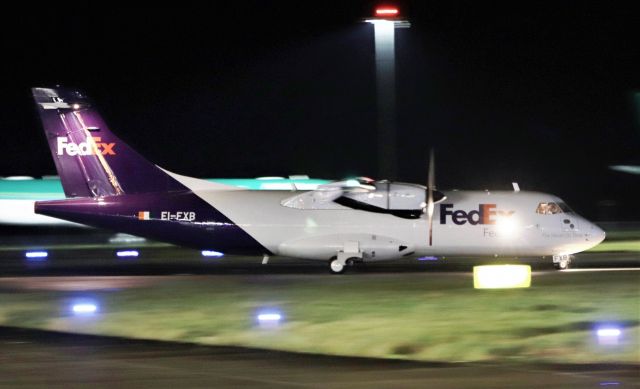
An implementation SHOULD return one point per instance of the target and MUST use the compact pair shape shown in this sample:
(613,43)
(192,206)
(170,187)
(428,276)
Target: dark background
(540,93)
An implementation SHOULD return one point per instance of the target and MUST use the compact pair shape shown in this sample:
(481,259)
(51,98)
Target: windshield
(565,208)
(552,208)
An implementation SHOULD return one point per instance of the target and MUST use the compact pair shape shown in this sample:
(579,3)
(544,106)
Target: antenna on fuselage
(516,187)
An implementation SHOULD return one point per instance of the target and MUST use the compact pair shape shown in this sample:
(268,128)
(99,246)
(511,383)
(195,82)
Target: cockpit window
(565,208)
(550,208)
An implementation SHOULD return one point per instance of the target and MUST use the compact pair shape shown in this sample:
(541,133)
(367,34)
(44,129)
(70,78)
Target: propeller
(431,181)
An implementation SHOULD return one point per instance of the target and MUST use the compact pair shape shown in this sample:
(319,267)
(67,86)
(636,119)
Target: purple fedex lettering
(483,215)
(459,217)
(474,217)
(444,212)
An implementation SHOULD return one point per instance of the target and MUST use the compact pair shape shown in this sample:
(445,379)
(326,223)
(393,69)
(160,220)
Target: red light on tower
(386,11)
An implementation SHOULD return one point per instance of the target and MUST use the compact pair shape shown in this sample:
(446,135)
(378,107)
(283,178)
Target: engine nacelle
(399,199)
(391,195)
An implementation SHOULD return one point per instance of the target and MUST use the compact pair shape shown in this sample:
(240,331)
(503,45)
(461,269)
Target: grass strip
(422,316)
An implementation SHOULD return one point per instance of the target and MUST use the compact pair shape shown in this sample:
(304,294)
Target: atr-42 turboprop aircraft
(109,185)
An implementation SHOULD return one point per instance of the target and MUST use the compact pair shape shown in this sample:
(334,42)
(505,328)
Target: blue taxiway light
(269,318)
(84,308)
(36,256)
(609,335)
(211,253)
(127,253)
(608,332)
(428,258)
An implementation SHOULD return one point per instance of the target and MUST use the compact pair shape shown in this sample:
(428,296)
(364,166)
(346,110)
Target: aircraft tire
(336,266)
(563,264)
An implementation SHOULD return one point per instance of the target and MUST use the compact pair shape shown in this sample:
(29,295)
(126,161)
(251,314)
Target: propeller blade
(431,179)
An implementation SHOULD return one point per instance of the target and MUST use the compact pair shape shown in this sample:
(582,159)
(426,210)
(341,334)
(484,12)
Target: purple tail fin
(90,159)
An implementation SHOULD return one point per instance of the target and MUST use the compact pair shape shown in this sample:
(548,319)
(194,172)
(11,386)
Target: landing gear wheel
(337,266)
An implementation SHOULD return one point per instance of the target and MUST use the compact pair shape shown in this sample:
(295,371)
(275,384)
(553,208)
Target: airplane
(18,195)
(109,185)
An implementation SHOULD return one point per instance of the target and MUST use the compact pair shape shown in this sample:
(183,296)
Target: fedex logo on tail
(485,214)
(93,146)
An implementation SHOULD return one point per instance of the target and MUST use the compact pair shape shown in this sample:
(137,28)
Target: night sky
(539,92)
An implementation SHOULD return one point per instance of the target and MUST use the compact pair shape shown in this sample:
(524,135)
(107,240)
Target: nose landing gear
(562,262)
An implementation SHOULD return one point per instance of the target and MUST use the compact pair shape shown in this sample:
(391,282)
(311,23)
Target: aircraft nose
(597,234)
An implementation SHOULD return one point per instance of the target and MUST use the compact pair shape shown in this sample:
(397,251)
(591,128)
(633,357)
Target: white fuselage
(511,226)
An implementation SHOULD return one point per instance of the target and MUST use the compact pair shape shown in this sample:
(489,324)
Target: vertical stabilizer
(90,159)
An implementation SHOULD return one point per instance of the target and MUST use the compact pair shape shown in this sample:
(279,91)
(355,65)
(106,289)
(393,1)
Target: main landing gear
(338,266)
(562,262)
(348,256)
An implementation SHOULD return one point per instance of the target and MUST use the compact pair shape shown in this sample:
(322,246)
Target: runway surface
(78,283)
(175,260)
(54,360)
